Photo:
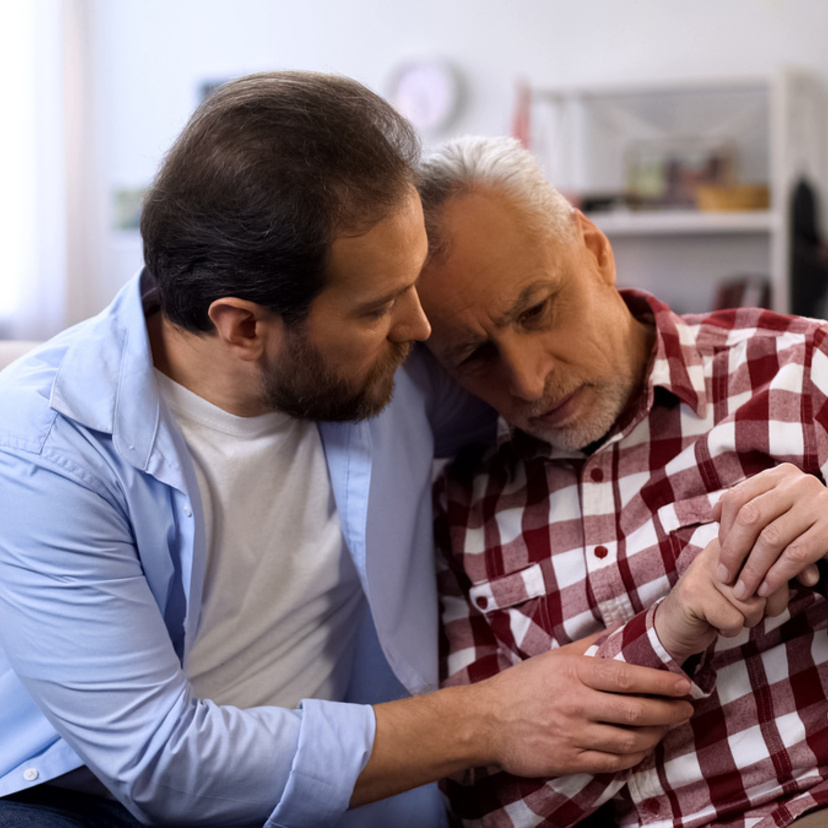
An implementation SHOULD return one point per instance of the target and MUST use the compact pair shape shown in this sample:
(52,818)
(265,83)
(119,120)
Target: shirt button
(482,602)
(30,774)
(187,510)
(652,807)
(601,551)
(597,475)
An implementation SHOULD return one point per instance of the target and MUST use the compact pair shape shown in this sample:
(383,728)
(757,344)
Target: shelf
(705,86)
(685,222)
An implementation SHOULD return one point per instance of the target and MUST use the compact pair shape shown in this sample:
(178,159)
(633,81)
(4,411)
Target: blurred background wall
(115,80)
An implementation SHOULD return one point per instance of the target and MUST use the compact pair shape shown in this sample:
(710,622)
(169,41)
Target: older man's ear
(598,245)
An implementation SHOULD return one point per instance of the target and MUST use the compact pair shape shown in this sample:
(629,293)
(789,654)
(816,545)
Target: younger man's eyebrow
(384,300)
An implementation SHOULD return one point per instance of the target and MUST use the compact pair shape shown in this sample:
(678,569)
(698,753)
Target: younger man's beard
(304,386)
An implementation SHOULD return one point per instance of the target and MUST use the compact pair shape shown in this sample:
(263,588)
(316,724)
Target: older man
(624,426)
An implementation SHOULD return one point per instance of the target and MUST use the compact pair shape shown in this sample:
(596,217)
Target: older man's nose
(527,368)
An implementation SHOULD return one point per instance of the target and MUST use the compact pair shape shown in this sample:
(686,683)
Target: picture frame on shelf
(667,173)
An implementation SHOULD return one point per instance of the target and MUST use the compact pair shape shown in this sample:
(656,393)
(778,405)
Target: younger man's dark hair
(267,171)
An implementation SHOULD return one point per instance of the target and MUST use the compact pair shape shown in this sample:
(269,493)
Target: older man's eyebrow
(455,354)
(468,340)
(526,298)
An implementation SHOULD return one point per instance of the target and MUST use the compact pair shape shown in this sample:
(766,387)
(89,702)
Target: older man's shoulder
(734,325)
(480,468)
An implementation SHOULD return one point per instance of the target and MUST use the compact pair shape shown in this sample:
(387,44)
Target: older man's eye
(534,313)
(478,358)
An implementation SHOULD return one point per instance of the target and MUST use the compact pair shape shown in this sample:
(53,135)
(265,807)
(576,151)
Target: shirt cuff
(335,742)
(636,642)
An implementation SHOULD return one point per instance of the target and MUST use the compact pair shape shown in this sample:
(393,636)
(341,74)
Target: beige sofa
(11,349)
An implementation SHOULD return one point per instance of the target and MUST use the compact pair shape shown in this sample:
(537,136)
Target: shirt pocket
(516,606)
(688,526)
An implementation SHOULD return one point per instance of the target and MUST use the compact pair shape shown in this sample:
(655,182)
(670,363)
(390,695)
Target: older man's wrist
(680,648)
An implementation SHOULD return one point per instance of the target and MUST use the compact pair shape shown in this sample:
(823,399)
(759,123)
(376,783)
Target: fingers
(639,711)
(746,510)
(609,749)
(580,646)
(782,550)
(739,521)
(555,714)
(593,762)
(797,561)
(773,526)
(777,602)
(630,679)
(730,619)
(809,576)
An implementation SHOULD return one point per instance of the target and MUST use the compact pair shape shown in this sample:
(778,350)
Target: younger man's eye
(379,312)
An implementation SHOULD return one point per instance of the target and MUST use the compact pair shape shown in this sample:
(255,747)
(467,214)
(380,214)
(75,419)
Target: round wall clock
(426,91)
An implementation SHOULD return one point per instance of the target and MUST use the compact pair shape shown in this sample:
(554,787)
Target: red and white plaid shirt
(541,547)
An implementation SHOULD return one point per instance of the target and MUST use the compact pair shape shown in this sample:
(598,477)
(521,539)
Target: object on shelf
(600,202)
(668,173)
(601,140)
(522,114)
(743,292)
(809,255)
(718,197)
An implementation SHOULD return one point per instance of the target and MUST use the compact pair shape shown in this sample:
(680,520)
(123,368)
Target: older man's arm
(503,727)
(774,526)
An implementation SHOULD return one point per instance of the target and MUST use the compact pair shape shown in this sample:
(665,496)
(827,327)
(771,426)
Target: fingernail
(740,591)
(763,590)
(723,574)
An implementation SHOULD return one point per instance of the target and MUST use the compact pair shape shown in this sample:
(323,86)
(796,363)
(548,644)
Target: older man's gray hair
(503,165)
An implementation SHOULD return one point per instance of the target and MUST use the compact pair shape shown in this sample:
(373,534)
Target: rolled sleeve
(335,741)
(637,642)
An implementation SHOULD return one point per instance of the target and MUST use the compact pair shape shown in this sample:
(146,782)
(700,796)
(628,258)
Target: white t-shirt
(282,599)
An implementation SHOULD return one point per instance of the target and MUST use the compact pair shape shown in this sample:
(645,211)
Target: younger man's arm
(555,714)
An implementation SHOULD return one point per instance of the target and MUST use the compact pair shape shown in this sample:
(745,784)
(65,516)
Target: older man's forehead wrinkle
(466,339)
(526,298)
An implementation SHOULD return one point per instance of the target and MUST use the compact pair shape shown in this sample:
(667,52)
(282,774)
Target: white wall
(147,59)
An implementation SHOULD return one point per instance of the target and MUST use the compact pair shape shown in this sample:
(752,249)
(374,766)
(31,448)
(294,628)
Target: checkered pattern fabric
(540,547)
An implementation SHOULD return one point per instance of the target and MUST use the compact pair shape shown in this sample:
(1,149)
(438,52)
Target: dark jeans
(45,806)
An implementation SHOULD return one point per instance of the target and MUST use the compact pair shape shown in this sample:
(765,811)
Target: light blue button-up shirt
(102,560)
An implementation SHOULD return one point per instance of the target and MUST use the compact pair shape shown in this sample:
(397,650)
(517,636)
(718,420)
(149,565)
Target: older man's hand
(700,607)
(773,527)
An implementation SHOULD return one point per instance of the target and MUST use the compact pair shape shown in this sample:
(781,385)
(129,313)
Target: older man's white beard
(586,430)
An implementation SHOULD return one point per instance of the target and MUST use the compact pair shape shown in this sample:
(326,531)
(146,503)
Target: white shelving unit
(775,128)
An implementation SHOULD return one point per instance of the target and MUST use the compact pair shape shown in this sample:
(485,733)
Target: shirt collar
(105,380)
(675,367)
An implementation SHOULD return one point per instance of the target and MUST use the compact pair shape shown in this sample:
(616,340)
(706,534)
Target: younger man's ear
(244,327)
(598,245)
